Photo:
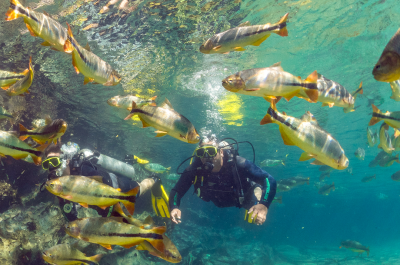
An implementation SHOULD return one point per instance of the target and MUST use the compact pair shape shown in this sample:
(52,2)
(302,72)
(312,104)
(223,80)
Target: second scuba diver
(221,176)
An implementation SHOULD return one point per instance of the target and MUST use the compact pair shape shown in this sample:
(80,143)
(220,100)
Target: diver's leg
(146,184)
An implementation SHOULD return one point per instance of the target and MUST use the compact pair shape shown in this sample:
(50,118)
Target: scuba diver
(70,160)
(221,176)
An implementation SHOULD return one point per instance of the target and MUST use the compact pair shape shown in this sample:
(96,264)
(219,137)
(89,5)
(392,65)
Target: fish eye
(377,67)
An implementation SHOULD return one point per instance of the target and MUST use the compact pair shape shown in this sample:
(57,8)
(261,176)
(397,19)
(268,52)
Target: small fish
(10,145)
(21,86)
(282,187)
(4,114)
(125,102)
(51,131)
(90,191)
(360,153)
(39,25)
(140,161)
(372,137)
(396,176)
(272,162)
(388,160)
(354,246)
(243,35)
(326,189)
(9,78)
(156,168)
(377,159)
(387,69)
(89,64)
(325,168)
(391,118)
(385,141)
(308,136)
(324,175)
(271,83)
(395,86)
(294,181)
(113,231)
(167,121)
(65,254)
(368,178)
(277,199)
(173,176)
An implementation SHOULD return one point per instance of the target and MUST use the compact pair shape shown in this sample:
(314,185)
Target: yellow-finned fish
(141,161)
(113,231)
(371,137)
(51,131)
(9,78)
(39,25)
(387,69)
(236,38)
(65,254)
(125,102)
(385,141)
(90,191)
(390,118)
(4,114)
(395,86)
(89,64)
(271,82)
(354,246)
(326,189)
(308,136)
(10,145)
(21,86)
(167,121)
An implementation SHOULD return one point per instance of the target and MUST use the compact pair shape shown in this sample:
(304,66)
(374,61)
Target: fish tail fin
(118,209)
(37,159)
(133,192)
(375,112)
(367,251)
(25,72)
(133,111)
(96,258)
(283,162)
(358,91)
(279,199)
(282,30)
(168,169)
(22,129)
(130,206)
(68,47)
(15,10)
(159,230)
(333,183)
(135,157)
(152,102)
(271,113)
(308,181)
(158,244)
(310,86)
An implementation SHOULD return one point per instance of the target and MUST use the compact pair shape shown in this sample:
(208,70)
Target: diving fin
(160,199)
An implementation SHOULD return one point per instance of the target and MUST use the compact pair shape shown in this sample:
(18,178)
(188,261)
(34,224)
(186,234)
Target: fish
(277,199)
(325,168)
(125,102)
(331,93)
(391,118)
(167,121)
(395,86)
(387,69)
(107,231)
(385,141)
(51,131)
(368,178)
(10,145)
(173,176)
(294,181)
(243,35)
(156,168)
(272,162)
(324,175)
(271,83)
(65,254)
(9,78)
(21,86)
(4,114)
(140,161)
(308,136)
(39,25)
(396,176)
(91,191)
(89,64)
(371,137)
(326,189)
(282,187)
(354,246)
(388,160)
(360,153)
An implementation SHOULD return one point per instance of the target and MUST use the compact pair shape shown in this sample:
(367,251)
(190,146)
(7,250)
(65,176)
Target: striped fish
(371,137)
(331,93)
(391,118)
(387,69)
(385,142)
(395,86)
(326,189)
(51,131)
(10,145)
(270,83)
(21,86)
(89,64)
(39,25)
(167,121)
(4,114)
(245,34)
(9,78)
(113,231)
(91,191)
(125,102)
(65,254)
(308,136)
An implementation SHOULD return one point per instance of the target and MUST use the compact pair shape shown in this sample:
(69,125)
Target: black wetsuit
(221,187)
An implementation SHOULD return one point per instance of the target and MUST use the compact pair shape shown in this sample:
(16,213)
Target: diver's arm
(180,189)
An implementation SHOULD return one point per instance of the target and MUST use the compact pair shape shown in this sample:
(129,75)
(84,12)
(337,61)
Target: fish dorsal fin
(148,222)
(87,47)
(48,120)
(320,76)
(166,104)
(277,65)
(244,24)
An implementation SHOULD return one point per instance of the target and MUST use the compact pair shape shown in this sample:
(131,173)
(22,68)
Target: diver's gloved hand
(176,215)
(259,210)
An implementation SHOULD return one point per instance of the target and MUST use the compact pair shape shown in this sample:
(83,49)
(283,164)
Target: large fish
(271,82)
(39,25)
(51,131)
(308,136)
(89,64)
(326,189)
(391,118)
(167,121)
(22,85)
(113,231)
(89,191)
(385,140)
(65,254)
(125,102)
(9,78)
(331,93)
(354,246)
(387,69)
(10,145)
(236,38)
(395,86)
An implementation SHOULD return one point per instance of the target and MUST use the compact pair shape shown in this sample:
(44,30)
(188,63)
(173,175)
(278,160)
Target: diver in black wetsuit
(228,180)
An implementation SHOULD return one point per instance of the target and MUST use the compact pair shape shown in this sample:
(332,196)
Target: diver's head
(209,152)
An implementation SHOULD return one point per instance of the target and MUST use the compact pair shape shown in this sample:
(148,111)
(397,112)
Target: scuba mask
(206,151)
(51,163)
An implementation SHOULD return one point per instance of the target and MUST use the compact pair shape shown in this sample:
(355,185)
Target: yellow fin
(75,65)
(31,30)
(305,156)
(291,95)
(318,163)
(239,49)
(145,124)
(45,43)
(216,48)
(87,80)
(257,43)
(87,47)
(244,24)
(166,104)
(285,138)
(160,133)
